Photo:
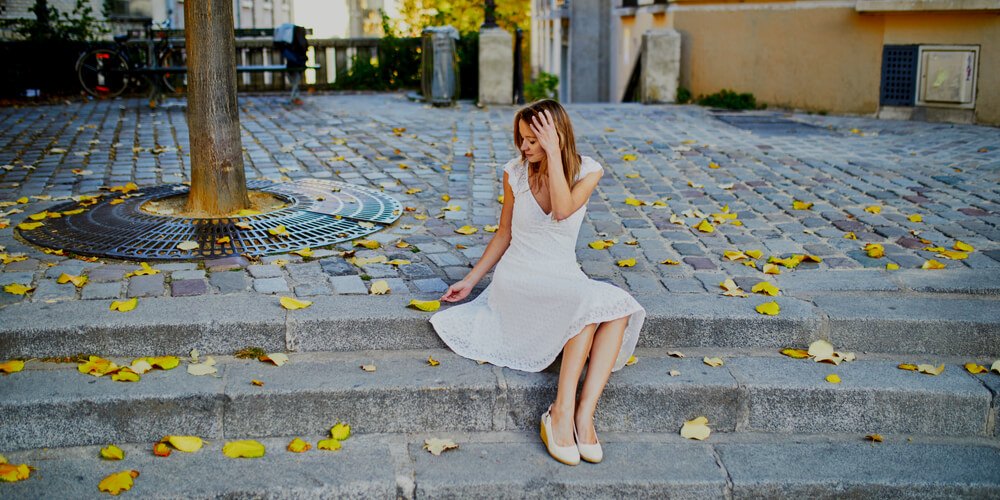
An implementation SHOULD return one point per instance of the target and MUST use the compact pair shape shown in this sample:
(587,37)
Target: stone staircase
(779,429)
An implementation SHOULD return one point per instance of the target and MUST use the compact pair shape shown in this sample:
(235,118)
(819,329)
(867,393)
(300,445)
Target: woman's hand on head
(544,128)
(457,291)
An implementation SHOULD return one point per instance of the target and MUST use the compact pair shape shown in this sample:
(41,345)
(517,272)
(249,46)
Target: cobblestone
(898,166)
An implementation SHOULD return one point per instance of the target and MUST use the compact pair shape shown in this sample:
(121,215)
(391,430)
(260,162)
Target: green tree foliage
(78,25)
(465,15)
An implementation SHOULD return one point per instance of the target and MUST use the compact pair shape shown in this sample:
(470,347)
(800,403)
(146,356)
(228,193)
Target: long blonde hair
(567,142)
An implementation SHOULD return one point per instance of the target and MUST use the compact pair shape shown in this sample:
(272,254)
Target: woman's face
(529,144)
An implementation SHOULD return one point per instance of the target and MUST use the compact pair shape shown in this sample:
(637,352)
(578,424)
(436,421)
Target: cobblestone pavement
(678,160)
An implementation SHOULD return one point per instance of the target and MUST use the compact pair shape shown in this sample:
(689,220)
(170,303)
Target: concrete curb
(44,406)
(222,324)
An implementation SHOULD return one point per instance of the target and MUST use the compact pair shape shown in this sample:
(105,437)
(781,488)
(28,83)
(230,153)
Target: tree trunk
(218,183)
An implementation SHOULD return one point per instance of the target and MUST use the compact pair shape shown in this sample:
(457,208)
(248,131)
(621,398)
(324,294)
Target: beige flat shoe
(589,452)
(568,455)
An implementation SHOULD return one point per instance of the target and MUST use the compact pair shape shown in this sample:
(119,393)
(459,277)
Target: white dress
(538,298)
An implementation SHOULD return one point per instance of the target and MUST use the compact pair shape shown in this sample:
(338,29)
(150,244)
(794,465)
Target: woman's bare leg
(607,342)
(574,356)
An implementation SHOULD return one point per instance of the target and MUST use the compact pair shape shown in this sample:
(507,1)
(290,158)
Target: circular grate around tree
(319,213)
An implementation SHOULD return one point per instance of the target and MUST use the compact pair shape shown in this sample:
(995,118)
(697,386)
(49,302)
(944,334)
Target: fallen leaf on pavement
(437,446)
(696,428)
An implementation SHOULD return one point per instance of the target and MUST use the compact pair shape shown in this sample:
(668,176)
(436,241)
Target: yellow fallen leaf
(675,219)
(369,244)
(600,244)
(873,209)
(368,368)
(907,366)
(633,175)
(292,304)
(380,287)
(466,230)
(413,190)
(822,350)
(97,366)
(930,369)
(17,289)
(768,308)
(437,446)
(124,305)
(731,288)
(205,368)
(277,358)
(12,366)
(298,446)
(187,444)
(127,188)
(445,198)
(705,226)
(304,252)
(258,383)
(953,255)
(425,305)
(850,236)
(631,361)
(629,157)
(187,245)
(915,218)
(634,202)
(765,287)
(801,205)
(22,200)
(419,216)
(243,449)
(246,212)
(674,373)
(243,225)
(280,230)
(340,431)
(626,262)
(975,369)
(433,362)
(144,270)
(713,165)
(491,228)
(874,250)
(875,438)
(713,362)
(696,428)
(794,353)
(125,375)
(398,262)
(833,378)
(696,186)
(118,482)
(934,249)
(28,226)
(11,473)
(328,444)
(892,267)
(933,264)
(963,247)
(39,216)
(734,255)
(675,354)
(77,281)
(366,225)
(670,262)
(112,452)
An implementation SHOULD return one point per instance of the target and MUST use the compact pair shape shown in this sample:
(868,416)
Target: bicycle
(107,72)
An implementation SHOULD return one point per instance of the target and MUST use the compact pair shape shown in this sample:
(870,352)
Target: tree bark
(218,182)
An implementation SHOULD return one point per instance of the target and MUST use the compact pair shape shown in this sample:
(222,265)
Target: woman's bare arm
(491,255)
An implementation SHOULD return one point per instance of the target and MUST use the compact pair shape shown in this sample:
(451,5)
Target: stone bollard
(661,66)
(496,67)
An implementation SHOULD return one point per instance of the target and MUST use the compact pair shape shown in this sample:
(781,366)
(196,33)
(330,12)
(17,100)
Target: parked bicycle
(107,72)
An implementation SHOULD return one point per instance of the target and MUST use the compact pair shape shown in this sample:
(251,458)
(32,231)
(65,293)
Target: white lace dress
(538,298)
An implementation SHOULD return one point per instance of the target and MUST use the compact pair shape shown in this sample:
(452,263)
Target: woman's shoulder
(589,165)
(511,166)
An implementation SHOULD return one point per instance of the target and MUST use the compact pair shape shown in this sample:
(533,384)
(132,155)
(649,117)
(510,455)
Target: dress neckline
(527,167)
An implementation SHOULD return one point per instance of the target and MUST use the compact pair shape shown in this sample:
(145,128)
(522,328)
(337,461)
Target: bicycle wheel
(173,58)
(103,72)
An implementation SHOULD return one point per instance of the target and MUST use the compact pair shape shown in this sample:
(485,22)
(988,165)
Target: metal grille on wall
(899,75)
(319,213)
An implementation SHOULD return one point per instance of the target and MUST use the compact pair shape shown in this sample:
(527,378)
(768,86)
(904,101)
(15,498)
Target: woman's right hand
(458,291)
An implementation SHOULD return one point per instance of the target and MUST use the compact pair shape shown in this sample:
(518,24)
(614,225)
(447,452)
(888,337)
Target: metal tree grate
(899,75)
(319,213)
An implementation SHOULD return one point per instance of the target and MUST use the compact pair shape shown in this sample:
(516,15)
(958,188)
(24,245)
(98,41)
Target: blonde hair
(567,142)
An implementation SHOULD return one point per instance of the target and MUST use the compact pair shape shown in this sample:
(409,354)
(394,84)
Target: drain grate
(124,231)
(769,125)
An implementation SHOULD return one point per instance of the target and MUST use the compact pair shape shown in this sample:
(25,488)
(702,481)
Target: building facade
(924,59)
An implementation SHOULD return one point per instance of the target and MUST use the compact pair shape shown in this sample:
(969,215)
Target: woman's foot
(562,427)
(569,454)
(586,439)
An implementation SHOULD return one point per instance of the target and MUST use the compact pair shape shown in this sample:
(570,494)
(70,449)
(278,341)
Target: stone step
(947,324)
(515,464)
(53,405)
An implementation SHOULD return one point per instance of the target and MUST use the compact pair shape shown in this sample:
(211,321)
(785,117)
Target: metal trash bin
(439,65)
